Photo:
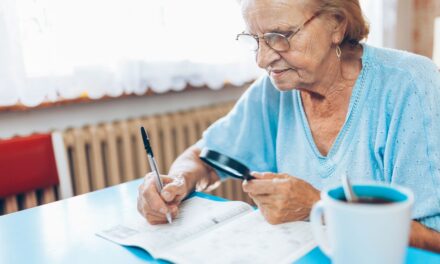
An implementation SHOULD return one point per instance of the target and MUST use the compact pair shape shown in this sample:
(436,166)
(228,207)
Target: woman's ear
(339,26)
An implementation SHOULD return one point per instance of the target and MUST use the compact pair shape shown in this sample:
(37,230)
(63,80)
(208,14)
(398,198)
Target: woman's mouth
(278,73)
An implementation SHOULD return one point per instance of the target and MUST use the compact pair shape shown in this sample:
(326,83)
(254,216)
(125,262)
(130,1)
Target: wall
(77,115)
(424,13)
(404,25)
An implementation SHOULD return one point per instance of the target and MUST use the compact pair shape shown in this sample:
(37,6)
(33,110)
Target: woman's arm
(423,237)
(197,174)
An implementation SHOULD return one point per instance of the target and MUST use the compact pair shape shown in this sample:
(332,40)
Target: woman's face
(311,52)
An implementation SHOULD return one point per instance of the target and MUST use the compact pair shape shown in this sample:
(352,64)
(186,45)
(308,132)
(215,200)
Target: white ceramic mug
(363,232)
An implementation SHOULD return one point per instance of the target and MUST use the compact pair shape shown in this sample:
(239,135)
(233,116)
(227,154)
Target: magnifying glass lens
(225,164)
(228,170)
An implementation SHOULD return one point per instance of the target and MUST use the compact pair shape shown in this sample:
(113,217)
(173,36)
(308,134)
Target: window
(54,49)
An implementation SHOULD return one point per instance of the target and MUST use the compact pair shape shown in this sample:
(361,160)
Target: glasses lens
(276,41)
(247,41)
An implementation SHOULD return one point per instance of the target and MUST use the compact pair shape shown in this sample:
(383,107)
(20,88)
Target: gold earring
(338,51)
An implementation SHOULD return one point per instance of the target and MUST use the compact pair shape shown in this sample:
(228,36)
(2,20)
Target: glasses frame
(287,36)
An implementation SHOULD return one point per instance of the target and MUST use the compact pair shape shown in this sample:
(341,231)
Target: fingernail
(166,195)
(163,210)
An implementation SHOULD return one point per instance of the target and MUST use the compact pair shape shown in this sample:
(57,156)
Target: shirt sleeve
(248,132)
(412,151)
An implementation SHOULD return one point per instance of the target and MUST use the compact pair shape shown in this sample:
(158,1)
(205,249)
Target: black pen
(153,166)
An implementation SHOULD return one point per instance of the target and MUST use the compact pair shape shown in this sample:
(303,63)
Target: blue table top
(64,232)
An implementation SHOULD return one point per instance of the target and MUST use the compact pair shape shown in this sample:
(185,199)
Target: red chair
(33,171)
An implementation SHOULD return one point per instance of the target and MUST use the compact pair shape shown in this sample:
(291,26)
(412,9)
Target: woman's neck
(339,77)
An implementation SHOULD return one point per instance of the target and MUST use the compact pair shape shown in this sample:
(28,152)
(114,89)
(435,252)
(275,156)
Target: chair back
(33,171)
(26,164)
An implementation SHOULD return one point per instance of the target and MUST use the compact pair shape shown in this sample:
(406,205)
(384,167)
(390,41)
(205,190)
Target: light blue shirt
(391,132)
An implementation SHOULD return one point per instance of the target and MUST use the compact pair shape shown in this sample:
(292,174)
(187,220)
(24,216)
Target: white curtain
(52,49)
(382,16)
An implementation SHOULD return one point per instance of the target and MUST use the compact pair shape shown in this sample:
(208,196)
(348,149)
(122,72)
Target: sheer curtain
(382,16)
(60,48)
(52,49)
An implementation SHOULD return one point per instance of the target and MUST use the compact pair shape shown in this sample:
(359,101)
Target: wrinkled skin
(280,197)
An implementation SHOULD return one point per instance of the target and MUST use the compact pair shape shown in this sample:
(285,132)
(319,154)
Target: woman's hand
(186,174)
(154,205)
(280,197)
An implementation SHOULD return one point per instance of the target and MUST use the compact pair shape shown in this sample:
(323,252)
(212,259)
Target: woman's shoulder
(408,65)
(402,76)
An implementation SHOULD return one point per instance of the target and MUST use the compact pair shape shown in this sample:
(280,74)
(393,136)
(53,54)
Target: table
(64,232)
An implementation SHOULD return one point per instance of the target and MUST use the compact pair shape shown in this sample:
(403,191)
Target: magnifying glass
(225,164)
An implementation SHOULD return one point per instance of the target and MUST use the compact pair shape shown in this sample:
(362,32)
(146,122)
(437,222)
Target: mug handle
(317,227)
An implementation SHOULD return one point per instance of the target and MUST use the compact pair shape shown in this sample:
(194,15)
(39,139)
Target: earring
(338,51)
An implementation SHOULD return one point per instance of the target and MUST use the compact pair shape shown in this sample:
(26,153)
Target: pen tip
(169,218)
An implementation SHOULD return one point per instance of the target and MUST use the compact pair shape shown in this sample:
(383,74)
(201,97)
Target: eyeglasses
(276,41)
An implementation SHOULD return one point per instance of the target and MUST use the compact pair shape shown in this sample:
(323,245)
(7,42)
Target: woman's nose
(265,55)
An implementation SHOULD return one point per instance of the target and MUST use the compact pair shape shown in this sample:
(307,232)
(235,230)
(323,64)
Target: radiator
(28,200)
(107,154)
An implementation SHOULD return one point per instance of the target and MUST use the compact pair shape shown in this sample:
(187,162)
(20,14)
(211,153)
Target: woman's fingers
(154,205)
(281,199)
(174,191)
(154,217)
(264,175)
(266,186)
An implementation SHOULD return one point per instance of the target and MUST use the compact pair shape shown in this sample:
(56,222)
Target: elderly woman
(327,105)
